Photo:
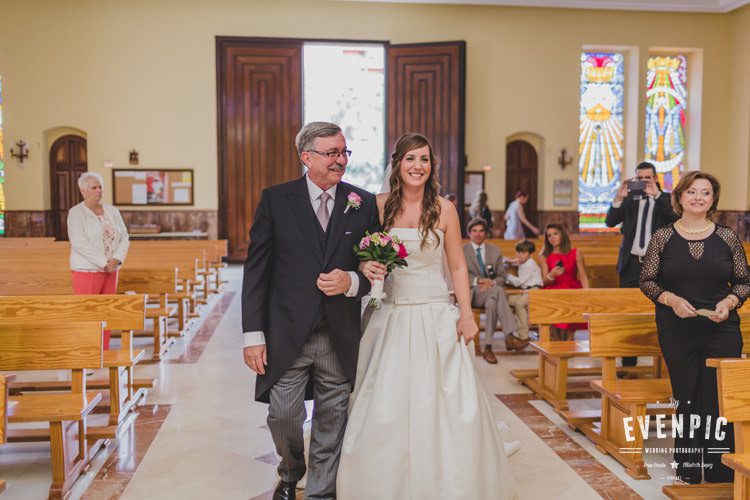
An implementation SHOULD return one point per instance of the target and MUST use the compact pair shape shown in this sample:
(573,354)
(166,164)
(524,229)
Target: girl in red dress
(562,267)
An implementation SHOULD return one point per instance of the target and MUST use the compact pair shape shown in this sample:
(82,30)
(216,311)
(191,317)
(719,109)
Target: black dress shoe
(285,491)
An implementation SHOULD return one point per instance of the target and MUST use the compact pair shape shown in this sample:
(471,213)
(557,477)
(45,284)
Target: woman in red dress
(562,267)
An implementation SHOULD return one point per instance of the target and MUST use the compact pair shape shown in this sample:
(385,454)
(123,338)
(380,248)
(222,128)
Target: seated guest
(487,276)
(98,241)
(529,276)
(696,273)
(562,268)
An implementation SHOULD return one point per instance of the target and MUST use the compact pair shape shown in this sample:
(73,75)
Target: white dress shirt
(635,249)
(258,337)
(529,275)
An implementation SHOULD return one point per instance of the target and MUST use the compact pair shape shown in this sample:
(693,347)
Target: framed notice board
(152,187)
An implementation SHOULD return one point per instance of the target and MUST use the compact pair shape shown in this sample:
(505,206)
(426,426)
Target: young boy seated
(529,276)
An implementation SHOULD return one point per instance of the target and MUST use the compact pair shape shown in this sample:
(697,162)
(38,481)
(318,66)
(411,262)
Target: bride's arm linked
(467,328)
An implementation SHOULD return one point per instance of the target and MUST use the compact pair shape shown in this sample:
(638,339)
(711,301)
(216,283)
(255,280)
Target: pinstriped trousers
(286,414)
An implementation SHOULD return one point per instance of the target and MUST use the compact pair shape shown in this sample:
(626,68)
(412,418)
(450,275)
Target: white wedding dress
(420,426)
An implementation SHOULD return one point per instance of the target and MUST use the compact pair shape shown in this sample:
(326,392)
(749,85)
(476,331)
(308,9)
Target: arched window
(666,113)
(600,136)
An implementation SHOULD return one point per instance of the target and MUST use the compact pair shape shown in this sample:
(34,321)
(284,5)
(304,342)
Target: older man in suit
(301,307)
(487,276)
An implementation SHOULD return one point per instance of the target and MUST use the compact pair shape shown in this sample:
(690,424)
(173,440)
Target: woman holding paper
(696,272)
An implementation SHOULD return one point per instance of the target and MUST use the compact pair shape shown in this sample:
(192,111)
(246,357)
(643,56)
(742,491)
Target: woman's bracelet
(666,298)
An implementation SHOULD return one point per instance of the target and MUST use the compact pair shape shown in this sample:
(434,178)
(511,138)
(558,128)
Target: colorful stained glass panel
(666,114)
(600,136)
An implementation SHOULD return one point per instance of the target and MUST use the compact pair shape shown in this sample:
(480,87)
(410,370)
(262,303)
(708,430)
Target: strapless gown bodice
(422,279)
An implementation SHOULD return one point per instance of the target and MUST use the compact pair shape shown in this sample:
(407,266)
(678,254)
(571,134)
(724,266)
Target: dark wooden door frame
(59,227)
(222,42)
(449,183)
(532,207)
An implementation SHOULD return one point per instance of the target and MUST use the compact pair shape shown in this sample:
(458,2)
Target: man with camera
(641,207)
(487,277)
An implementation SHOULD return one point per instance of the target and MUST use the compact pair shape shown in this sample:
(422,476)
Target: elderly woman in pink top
(98,241)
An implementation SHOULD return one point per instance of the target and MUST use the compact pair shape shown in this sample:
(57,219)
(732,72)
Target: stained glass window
(345,85)
(600,136)
(666,111)
(2,167)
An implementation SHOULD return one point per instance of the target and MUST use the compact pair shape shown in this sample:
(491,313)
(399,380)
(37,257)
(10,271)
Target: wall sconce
(487,168)
(564,160)
(23,151)
(134,157)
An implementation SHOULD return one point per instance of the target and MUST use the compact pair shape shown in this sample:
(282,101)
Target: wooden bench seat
(54,407)
(645,391)
(706,491)
(74,346)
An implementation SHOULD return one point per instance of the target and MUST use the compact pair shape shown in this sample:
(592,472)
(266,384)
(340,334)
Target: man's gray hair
(84,178)
(306,137)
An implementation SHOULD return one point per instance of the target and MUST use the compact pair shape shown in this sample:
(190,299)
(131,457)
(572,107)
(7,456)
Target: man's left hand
(485,284)
(334,283)
(651,189)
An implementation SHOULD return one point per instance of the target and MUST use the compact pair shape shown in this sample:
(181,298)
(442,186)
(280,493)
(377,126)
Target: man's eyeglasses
(333,155)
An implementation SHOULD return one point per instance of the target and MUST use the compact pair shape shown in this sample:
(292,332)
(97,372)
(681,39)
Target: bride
(420,426)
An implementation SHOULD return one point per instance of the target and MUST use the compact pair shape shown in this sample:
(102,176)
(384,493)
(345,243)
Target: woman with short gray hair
(98,241)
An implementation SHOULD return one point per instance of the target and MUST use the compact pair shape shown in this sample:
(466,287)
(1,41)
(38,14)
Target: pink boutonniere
(354,201)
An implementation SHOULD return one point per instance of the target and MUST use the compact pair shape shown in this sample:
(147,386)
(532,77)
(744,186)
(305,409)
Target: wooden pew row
(157,283)
(214,250)
(120,312)
(548,307)
(732,377)
(5,380)
(616,335)
(24,242)
(55,346)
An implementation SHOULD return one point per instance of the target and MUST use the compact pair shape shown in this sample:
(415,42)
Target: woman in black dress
(691,267)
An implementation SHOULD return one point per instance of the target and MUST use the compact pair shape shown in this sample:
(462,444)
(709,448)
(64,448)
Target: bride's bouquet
(386,249)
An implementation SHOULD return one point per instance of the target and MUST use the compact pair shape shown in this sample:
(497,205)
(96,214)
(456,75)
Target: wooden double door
(260,112)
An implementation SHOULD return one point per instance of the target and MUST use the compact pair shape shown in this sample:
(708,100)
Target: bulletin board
(152,187)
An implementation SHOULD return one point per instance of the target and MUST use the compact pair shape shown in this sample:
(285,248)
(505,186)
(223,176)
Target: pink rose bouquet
(386,249)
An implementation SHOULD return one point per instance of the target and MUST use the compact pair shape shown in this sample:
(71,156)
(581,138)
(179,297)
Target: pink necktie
(323,214)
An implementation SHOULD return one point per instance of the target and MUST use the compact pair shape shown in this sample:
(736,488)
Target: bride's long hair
(428,222)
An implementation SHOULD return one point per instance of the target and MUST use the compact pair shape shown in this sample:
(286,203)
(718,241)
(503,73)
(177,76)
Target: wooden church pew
(55,346)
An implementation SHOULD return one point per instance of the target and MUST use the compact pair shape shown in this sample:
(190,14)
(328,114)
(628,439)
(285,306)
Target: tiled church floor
(201,435)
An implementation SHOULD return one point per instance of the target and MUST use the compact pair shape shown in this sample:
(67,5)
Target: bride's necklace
(682,227)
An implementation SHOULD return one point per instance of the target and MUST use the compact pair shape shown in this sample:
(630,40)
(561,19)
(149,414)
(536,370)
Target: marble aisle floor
(201,435)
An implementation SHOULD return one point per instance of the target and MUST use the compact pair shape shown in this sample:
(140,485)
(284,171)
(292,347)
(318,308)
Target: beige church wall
(739,120)
(141,74)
